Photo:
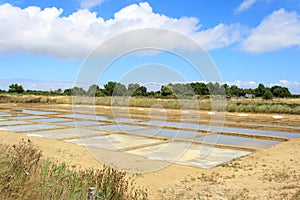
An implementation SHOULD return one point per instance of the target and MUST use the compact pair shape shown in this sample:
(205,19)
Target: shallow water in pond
(3,123)
(27,117)
(49,120)
(114,141)
(30,127)
(237,141)
(80,123)
(37,112)
(120,127)
(67,133)
(169,133)
(92,117)
(187,154)
(219,128)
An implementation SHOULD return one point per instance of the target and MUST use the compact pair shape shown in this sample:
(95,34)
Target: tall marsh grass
(283,106)
(25,175)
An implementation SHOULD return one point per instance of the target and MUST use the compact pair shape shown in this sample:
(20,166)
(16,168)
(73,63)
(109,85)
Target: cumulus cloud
(243,84)
(36,84)
(279,30)
(294,86)
(220,36)
(36,31)
(87,4)
(245,5)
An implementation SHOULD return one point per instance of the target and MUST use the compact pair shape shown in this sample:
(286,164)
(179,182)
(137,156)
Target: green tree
(200,88)
(234,91)
(260,90)
(95,90)
(132,87)
(109,88)
(166,90)
(215,88)
(55,92)
(140,91)
(78,91)
(267,94)
(67,92)
(226,89)
(281,92)
(15,88)
(120,90)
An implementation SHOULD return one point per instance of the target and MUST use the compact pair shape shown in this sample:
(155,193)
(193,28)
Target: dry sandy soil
(272,173)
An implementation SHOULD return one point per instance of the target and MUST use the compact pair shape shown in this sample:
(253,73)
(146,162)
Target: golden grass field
(255,105)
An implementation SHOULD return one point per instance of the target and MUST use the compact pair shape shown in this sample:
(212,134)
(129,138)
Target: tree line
(167,91)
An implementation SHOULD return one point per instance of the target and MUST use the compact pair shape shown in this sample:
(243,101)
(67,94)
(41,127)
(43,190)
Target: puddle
(31,127)
(191,155)
(67,133)
(166,133)
(120,127)
(113,142)
(237,141)
(5,122)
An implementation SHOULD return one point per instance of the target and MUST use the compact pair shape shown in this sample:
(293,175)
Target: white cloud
(294,87)
(220,36)
(35,31)
(279,30)
(245,5)
(36,84)
(243,84)
(87,4)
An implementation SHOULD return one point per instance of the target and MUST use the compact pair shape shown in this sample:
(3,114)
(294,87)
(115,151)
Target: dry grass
(282,106)
(24,175)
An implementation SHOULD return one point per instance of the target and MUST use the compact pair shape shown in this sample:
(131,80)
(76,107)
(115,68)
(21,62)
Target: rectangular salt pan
(113,142)
(32,127)
(37,112)
(169,133)
(92,117)
(49,120)
(80,123)
(237,141)
(3,123)
(187,154)
(120,127)
(222,129)
(67,133)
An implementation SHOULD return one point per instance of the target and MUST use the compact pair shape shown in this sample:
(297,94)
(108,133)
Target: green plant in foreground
(24,175)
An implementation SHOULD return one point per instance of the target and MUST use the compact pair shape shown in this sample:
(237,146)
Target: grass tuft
(25,175)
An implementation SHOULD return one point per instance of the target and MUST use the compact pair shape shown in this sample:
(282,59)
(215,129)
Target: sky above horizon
(45,44)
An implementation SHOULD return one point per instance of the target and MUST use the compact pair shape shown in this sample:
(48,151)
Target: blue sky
(44,44)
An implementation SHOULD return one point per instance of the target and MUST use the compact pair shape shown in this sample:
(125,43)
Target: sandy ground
(272,173)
